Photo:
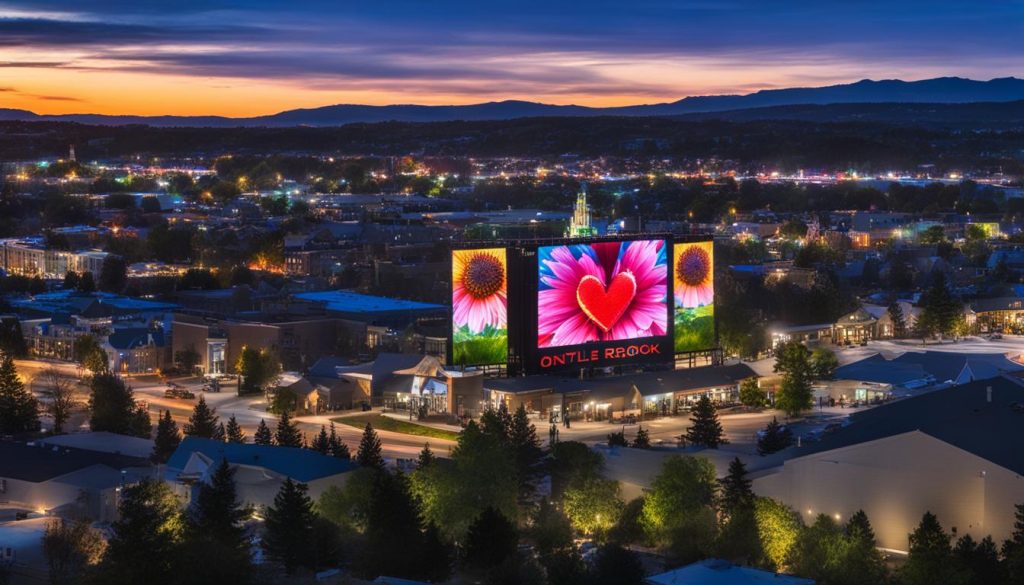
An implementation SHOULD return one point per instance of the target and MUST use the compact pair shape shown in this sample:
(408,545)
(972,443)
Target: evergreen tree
(736,494)
(114,409)
(642,440)
(751,394)
(145,538)
(930,557)
(221,434)
(899,320)
(490,540)
(70,280)
(338,447)
(167,438)
(615,565)
(980,560)
(426,457)
(705,429)
(215,538)
(1013,548)
(19,410)
(263,436)
(437,555)
(287,434)
(774,438)
(525,447)
(863,563)
(322,443)
(203,423)
(289,526)
(496,422)
(369,453)
(392,524)
(940,308)
(233,431)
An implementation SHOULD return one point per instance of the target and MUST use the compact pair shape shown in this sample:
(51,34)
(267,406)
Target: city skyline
(234,59)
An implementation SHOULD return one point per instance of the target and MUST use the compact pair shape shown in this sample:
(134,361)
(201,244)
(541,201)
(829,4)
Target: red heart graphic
(606,307)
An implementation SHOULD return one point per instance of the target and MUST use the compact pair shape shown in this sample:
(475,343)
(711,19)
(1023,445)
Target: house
(953,452)
(259,469)
(719,572)
(57,480)
(303,394)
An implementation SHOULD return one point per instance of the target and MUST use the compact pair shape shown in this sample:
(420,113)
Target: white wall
(895,481)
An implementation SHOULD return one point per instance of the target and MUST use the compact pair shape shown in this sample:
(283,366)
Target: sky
(256,57)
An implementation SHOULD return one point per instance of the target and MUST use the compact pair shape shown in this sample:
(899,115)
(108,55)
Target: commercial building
(610,397)
(953,452)
(30,257)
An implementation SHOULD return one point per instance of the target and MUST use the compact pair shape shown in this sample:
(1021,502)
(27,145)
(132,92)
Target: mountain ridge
(940,90)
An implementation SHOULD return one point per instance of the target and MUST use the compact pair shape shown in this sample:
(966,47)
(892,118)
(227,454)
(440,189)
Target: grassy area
(386,423)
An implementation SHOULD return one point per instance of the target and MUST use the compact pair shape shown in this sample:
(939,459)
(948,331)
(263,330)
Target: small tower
(71,153)
(579,225)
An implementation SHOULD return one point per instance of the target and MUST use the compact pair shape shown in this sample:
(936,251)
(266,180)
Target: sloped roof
(133,337)
(941,365)
(299,464)
(960,416)
(39,463)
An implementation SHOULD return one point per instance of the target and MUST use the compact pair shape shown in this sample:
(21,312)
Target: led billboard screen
(693,270)
(479,306)
(596,299)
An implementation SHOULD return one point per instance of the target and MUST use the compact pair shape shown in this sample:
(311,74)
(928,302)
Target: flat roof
(352,302)
(647,383)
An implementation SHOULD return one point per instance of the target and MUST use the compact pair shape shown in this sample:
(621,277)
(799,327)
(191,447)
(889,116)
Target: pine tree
(642,439)
(338,448)
(490,540)
(215,537)
(899,320)
(263,436)
(167,438)
(203,422)
(369,453)
(774,438)
(426,457)
(289,526)
(736,494)
(1013,548)
(287,434)
(114,409)
(525,446)
(221,434)
(436,554)
(19,410)
(322,443)
(233,431)
(705,429)
(930,557)
(145,537)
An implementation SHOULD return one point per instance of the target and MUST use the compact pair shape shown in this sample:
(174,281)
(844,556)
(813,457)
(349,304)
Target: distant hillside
(760,105)
(980,116)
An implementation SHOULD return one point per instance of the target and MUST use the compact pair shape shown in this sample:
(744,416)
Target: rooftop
(40,462)
(647,383)
(351,302)
(299,464)
(719,572)
(961,416)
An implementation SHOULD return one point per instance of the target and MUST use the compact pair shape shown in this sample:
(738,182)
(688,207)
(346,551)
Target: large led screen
(694,288)
(479,306)
(601,292)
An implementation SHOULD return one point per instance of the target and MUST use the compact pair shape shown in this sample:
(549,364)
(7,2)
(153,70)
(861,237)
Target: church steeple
(579,225)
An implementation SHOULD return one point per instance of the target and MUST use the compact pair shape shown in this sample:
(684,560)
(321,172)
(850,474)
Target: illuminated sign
(479,306)
(693,267)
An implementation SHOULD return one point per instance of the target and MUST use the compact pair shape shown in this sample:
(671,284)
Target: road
(248,411)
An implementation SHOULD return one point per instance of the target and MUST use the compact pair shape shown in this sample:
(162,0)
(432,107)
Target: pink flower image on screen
(571,310)
(479,297)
